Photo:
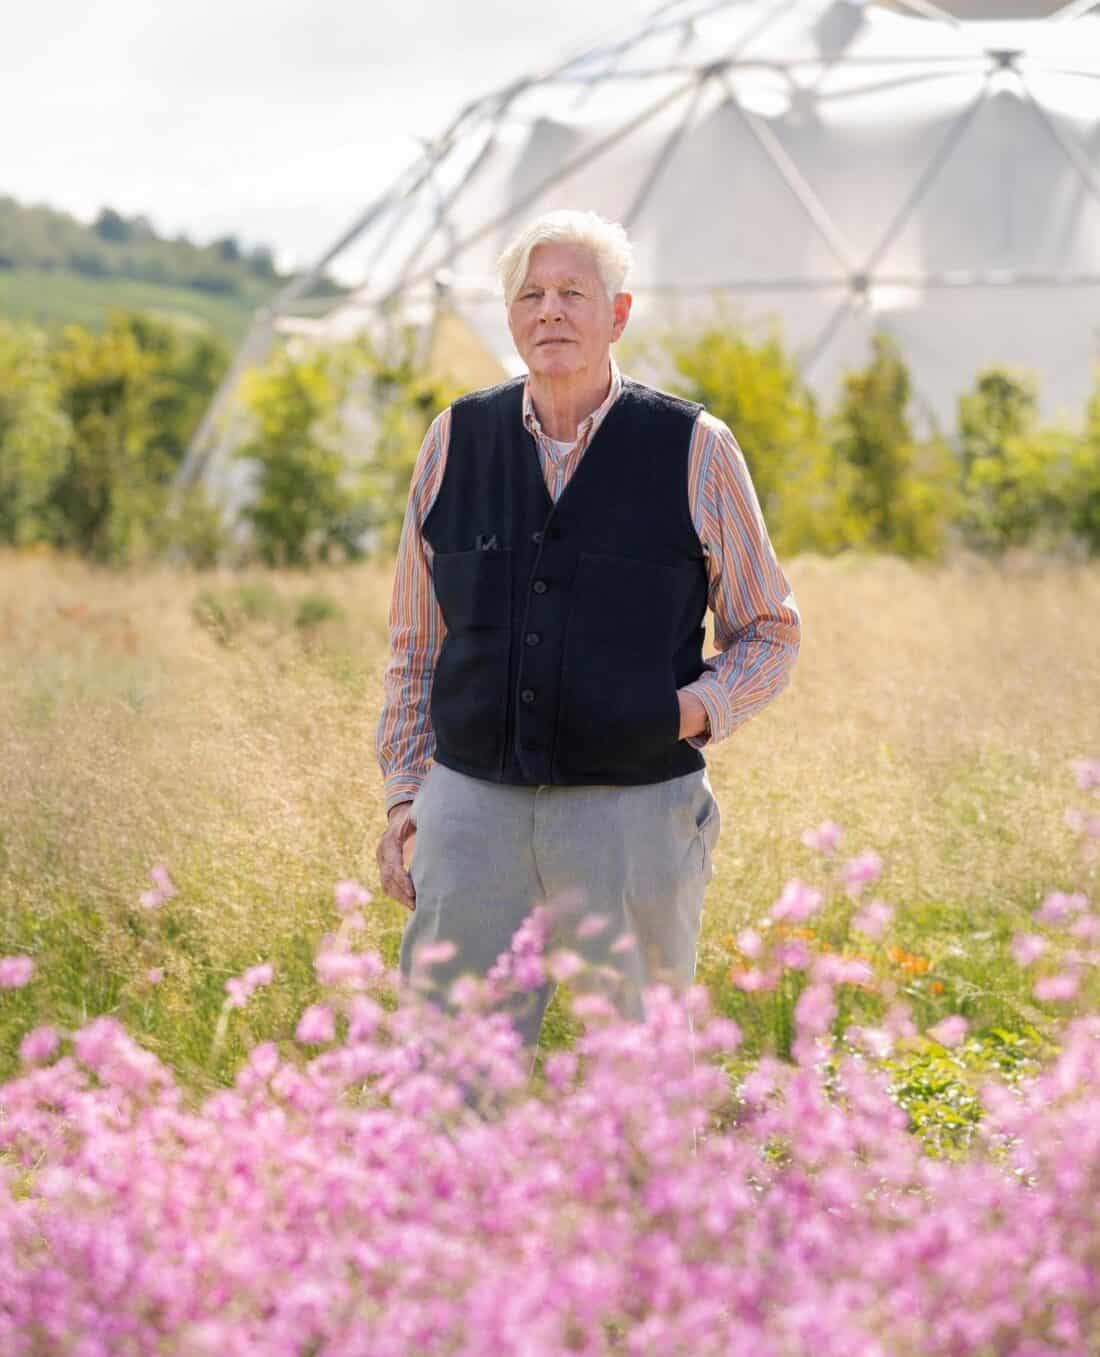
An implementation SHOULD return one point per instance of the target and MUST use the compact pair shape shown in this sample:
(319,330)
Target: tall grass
(224,725)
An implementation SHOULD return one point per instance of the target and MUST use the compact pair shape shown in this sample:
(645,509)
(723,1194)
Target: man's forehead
(564,263)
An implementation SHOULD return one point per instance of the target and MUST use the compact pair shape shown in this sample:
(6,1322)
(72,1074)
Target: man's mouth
(541,342)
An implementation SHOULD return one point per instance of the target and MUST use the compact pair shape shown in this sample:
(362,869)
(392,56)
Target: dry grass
(933,713)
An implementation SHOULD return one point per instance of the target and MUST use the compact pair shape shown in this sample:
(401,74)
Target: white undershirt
(564,448)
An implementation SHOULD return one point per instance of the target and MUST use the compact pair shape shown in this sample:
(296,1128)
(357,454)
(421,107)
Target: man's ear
(620,310)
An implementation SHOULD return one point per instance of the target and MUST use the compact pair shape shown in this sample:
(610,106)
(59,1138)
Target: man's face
(561,319)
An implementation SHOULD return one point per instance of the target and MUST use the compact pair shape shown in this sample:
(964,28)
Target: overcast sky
(273,120)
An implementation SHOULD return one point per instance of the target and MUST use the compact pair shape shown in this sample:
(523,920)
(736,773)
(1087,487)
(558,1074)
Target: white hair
(606,239)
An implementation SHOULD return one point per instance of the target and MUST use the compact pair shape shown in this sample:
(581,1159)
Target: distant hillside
(55,270)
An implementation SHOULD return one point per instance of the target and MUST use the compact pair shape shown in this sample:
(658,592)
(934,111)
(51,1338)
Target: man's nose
(551,306)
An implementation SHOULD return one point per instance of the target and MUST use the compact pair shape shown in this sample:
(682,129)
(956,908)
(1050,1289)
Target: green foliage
(1026,485)
(111,490)
(903,491)
(91,430)
(114,246)
(302,502)
(35,438)
(315,608)
(754,388)
(938,1087)
(313,498)
(400,401)
(254,611)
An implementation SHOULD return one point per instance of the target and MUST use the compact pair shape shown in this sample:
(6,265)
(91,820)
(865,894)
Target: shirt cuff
(711,694)
(403,788)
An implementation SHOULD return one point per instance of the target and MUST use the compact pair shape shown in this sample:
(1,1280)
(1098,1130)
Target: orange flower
(936,986)
(907,961)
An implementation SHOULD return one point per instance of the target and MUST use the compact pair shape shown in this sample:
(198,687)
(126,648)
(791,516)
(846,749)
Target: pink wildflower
(155,974)
(564,965)
(873,918)
(1027,947)
(241,988)
(825,838)
(316,1025)
(350,896)
(1058,906)
(1088,826)
(842,970)
(793,955)
(560,1068)
(39,1045)
(15,971)
(898,1021)
(592,924)
(1087,927)
(753,979)
(1087,773)
(797,902)
(529,972)
(433,953)
(950,1031)
(1056,988)
(749,942)
(151,899)
(162,881)
(815,1009)
(860,871)
(874,1040)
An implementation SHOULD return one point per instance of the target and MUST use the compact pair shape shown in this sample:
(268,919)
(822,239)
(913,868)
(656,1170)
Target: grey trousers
(638,858)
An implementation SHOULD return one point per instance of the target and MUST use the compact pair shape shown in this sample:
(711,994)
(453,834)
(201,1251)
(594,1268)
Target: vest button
(528,695)
(539,586)
(532,638)
(536,537)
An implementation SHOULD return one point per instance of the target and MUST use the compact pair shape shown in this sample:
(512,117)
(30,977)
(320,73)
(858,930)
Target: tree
(335,435)
(1085,478)
(397,401)
(904,492)
(110,495)
(35,437)
(111,225)
(1025,484)
(187,368)
(227,249)
(755,389)
(301,493)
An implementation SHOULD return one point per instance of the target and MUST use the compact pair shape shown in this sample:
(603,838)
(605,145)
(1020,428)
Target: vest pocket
(619,708)
(470,683)
(473,588)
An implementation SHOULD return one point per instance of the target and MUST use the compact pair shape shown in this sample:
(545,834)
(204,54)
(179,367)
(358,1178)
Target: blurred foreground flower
(15,971)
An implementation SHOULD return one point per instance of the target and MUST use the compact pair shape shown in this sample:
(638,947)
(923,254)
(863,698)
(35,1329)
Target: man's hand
(400,830)
(693,715)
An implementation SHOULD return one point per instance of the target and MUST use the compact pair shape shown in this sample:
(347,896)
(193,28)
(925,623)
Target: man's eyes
(534,296)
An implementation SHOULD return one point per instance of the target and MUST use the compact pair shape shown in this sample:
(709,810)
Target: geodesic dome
(839,165)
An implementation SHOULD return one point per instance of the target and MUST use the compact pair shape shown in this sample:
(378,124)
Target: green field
(52,299)
(224,725)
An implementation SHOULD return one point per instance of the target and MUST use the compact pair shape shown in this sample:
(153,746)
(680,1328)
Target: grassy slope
(54,298)
(932,713)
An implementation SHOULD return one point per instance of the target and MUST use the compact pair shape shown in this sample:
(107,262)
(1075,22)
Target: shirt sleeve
(405,742)
(757,626)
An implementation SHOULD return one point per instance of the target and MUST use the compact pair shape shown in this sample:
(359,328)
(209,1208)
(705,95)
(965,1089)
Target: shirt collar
(590,423)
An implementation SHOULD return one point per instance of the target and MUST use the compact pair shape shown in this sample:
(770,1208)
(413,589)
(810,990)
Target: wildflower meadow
(871,1128)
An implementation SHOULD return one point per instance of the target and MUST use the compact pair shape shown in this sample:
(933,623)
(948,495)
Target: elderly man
(547,699)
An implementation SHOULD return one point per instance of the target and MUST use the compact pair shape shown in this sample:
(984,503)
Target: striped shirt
(756,619)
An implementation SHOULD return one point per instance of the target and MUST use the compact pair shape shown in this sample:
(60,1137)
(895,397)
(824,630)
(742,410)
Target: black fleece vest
(569,626)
